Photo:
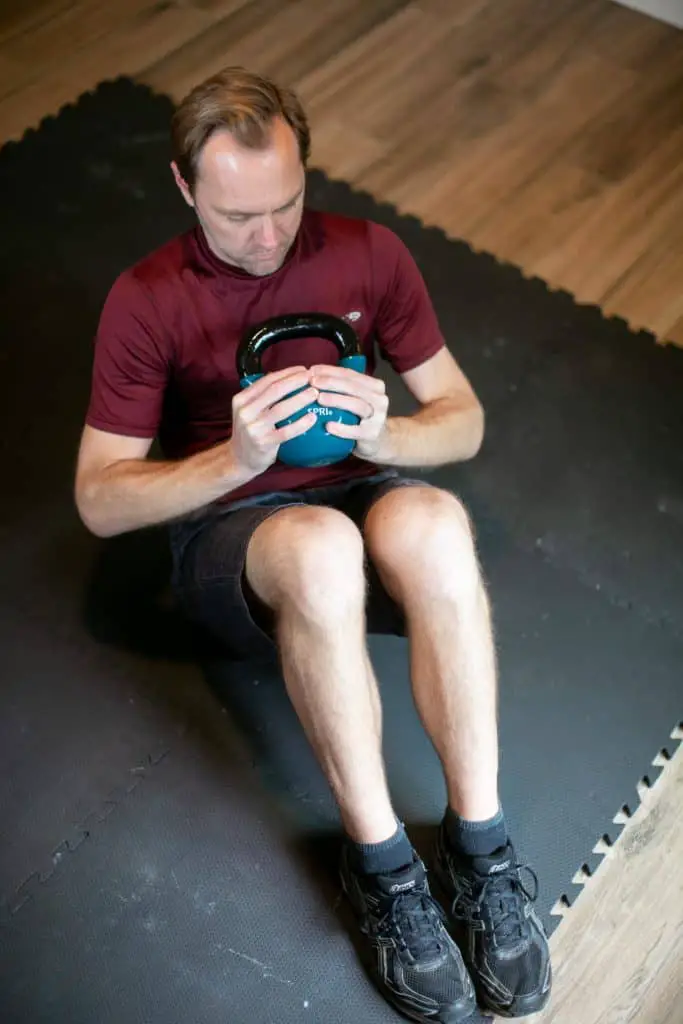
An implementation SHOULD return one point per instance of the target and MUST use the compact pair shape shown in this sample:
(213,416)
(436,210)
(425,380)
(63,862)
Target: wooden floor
(549,132)
(618,951)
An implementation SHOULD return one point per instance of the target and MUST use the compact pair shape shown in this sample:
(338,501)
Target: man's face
(249,202)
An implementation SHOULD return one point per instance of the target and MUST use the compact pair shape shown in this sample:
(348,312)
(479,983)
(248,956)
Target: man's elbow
(477,429)
(87,498)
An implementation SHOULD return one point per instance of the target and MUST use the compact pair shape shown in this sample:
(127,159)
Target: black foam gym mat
(169,844)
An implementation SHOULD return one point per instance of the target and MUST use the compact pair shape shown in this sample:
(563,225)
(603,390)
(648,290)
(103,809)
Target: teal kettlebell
(316,447)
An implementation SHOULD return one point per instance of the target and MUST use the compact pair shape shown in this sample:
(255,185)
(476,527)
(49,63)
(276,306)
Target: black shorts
(209,558)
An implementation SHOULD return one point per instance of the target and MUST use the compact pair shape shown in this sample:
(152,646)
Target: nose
(267,236)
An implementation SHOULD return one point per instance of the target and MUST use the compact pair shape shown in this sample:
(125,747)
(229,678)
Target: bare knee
(308,559)
(422,537)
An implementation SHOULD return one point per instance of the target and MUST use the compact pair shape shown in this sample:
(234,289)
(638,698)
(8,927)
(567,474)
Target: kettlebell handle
(289,327)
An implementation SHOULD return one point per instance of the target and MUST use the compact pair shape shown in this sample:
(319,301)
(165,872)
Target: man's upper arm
(409,335)
(407,328)
(129,377)
(130,365)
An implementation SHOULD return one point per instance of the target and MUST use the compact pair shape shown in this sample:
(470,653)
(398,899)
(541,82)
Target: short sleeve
(407,327)
(130,366)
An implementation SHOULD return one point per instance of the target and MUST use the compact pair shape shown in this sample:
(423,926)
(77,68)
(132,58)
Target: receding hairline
(240,103)
(240,147)
(267,140)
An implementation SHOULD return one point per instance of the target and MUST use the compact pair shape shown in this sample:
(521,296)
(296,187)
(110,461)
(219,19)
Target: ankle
(474,806)
(475,838)
(382,858)
(369,828)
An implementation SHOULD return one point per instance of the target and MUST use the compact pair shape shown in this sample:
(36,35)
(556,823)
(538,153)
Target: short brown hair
(240,102)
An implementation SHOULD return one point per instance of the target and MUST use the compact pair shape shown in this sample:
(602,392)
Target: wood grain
(619,947)
(550,134)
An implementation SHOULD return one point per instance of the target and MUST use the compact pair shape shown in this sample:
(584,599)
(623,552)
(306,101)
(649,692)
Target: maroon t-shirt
(164,359)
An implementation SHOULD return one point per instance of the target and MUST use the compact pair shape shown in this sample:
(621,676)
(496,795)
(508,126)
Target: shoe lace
(410,918)
(500,900)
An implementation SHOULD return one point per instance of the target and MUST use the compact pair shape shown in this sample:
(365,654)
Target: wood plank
(344,147)
(111,40)
(21,16)
(497,144)
(650,293)
(341,83)
(124,51)
(449,10)
(661,1000)
(395,89)
(629,218)
(10,73)
(282,41)
(633,40)
(621,136)
(622,929)
(674,333)
(83,23)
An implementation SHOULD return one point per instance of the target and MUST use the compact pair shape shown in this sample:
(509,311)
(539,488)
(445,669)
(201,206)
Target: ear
(182,184)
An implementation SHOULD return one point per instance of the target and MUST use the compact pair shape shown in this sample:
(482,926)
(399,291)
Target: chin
(261,268)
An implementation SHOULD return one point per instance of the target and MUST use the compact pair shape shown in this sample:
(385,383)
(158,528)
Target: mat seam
(607,842)
(82,830)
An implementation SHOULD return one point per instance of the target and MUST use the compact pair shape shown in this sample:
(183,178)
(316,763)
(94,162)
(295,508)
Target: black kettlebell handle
(294,325)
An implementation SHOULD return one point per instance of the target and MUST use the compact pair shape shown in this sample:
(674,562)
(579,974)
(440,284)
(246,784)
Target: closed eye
(237,217)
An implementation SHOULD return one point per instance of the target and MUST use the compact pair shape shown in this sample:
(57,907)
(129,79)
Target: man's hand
(255,439)
(358,393)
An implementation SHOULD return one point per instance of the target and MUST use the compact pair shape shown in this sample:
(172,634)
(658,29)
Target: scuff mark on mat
(267,973)
(12,904)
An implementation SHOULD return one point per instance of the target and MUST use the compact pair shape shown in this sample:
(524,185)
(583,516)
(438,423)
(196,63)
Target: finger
(289,406)
(343,377)
(262,434)
(299,426)
(274,393)
(345,373)
(360,406)
(348,430)
(346,386)
(290,377)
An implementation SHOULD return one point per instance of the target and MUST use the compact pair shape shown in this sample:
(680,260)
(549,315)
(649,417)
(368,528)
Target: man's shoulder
(167,261)
(343,236)
(150,287)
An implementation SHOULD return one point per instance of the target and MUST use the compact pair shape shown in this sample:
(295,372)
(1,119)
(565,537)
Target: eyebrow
(248,213)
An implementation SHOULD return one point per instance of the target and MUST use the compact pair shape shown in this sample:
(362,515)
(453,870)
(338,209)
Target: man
(309,559)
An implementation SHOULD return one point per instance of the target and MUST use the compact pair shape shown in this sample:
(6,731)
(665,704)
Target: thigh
(384,616)
(210,578)
(212,587)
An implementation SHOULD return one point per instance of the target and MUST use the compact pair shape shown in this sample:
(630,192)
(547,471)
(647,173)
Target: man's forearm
(442,432)
(136,493)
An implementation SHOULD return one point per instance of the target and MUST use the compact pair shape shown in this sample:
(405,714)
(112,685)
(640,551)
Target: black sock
(382,858)
(476,838)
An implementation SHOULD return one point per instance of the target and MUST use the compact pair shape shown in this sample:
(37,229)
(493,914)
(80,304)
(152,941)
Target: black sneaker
(414,961)
(504,942)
